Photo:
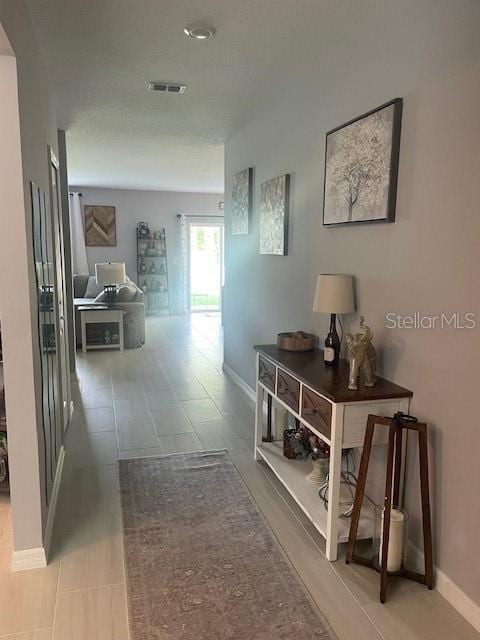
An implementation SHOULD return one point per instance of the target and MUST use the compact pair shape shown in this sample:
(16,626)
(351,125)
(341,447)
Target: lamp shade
(110,272)
(334,293)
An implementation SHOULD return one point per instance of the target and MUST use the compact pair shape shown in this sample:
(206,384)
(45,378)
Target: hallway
(168,397)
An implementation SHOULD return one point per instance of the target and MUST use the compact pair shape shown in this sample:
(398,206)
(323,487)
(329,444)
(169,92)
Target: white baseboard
(38,557)
(240,382)
(29,559)
(447,588)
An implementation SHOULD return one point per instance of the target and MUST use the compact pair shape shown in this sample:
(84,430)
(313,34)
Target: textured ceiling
(102,53)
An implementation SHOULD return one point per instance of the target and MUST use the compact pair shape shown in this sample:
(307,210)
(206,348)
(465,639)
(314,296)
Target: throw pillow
(126,293)
(93,289)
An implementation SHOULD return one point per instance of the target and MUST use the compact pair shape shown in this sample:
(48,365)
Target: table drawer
(266,373)
(317,411)
(288,389)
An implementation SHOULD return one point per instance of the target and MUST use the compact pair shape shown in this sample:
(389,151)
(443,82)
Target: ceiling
(101,54)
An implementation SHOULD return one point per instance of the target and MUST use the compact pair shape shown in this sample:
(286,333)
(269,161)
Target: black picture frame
(397,104)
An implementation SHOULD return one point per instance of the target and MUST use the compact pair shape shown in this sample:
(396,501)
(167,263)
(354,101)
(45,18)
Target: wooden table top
(331,382)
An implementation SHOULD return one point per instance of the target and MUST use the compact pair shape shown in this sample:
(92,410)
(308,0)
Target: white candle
(396,540)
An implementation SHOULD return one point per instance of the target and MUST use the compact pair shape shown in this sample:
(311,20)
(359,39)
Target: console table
(317,396)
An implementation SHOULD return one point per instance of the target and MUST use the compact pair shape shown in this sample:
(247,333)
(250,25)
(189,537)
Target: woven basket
(297,341)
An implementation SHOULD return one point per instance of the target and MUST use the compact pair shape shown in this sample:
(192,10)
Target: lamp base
(110,291)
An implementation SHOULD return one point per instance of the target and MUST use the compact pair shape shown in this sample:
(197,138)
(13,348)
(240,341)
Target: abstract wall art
(241,201)
(361,167)
(100,226)
(274,205)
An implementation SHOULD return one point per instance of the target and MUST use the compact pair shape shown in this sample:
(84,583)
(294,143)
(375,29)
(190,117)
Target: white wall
(428,53)
(159,209)
(29,108)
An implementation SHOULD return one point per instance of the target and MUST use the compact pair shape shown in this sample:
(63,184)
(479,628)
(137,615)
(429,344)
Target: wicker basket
(297,341)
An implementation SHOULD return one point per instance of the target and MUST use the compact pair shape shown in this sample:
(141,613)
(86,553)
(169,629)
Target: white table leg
(120,331)
(84,332)
(334,480)
(258,416)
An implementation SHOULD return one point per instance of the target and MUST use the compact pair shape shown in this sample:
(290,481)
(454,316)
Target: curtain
(79,251)
(182,305)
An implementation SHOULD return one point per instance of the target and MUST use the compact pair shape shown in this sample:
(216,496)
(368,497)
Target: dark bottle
(331,353)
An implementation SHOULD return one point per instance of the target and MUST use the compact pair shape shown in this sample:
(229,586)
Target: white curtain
(182,253)
(79,251)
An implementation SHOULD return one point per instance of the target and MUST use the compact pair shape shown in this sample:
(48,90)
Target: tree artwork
(358,169)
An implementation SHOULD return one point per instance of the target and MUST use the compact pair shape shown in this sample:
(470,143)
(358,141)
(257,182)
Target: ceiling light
(199,32)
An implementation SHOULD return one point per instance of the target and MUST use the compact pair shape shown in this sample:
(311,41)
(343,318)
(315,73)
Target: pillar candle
(396,540)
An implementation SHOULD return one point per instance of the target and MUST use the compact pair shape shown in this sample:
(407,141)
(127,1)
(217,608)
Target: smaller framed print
(242,201)
(100,226)
(274,205)
(361,168)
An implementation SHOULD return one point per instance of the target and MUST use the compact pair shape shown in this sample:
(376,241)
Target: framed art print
(100,226)
(274,204)
(241,201)
(361,167)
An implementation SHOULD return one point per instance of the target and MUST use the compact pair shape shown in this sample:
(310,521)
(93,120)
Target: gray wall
(31,109)
(427,261)
(159,209)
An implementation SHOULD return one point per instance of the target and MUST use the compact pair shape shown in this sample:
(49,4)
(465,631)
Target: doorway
(205,264)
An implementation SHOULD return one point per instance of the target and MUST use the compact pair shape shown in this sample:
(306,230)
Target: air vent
(167,87)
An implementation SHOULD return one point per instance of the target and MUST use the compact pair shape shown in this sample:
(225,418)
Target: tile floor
(169,397)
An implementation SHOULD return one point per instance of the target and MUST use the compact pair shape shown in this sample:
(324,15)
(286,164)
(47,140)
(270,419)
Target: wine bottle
(331,353)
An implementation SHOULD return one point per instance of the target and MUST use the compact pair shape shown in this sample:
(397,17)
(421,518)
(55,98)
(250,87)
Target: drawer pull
(310,411)
(283,390)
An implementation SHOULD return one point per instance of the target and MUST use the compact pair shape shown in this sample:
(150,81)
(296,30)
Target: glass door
(205,264)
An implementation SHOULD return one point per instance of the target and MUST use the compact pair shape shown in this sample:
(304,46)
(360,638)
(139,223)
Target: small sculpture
(361,353)
(143,230)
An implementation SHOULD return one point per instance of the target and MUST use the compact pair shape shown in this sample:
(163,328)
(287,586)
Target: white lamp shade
(110,272)
(334,293)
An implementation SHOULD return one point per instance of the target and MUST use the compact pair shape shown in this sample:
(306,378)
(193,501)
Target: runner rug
(201,561)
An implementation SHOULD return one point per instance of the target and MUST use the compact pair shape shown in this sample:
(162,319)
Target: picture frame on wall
(274,212)
(361,167)
(242,190)
(100,226)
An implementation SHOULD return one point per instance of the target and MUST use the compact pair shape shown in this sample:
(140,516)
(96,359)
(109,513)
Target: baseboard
(240,382)
(452,593)
(29,559)
(52,509)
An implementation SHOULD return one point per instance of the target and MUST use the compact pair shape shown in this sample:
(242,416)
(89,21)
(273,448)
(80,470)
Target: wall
(159,209)
(427,261)
(27,116)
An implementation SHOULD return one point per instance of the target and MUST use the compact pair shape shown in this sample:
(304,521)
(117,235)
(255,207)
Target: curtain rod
(179,215)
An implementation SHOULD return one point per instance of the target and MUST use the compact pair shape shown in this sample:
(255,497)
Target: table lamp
(334,294)
(110,274)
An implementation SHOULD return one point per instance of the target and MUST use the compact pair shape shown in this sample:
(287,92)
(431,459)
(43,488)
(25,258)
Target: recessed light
(199,32)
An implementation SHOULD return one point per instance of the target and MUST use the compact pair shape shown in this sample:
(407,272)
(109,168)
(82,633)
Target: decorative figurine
(361,353)
(320,456)
(143,230)
(142,269)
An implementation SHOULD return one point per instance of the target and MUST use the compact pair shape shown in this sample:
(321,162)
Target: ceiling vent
(167,87)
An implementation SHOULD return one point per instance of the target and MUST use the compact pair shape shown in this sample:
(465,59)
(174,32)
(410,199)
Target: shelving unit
(152,270)
(293,475)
